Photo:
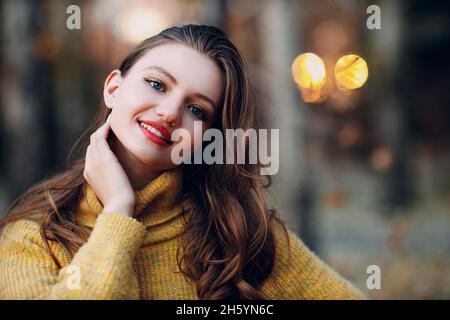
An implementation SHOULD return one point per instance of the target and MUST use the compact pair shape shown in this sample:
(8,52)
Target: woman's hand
(106,176)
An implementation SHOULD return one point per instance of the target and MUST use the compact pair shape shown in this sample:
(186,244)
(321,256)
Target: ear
(112,83)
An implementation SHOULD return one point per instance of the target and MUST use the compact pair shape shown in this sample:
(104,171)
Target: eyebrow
(168,75)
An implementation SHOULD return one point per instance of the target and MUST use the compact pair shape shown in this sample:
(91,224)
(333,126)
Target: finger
(88,155)
(87,162)
(103,150)
(101,132)
(104,129)
(95,149)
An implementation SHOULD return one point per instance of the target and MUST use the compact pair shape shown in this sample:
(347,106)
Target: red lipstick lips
(161,137)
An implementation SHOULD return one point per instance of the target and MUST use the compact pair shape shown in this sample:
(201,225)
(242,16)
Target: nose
(169,111)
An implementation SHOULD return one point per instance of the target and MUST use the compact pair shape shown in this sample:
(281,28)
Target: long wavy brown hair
(229,248)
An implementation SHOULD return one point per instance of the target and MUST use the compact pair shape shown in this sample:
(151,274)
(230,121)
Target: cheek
(192,141)
(115,118)
(133,97)
(122,123)
(195,132)
(128,108)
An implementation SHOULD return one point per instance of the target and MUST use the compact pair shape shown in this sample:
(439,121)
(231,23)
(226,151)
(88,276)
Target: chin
(153,158)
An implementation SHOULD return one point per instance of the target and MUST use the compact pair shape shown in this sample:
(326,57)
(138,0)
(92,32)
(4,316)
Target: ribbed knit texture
(135,258)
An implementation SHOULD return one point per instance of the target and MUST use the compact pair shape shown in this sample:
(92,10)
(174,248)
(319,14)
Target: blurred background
(364,173)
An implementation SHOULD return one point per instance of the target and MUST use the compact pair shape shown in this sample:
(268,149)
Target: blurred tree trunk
(26,98)
(393,108)
(294,184)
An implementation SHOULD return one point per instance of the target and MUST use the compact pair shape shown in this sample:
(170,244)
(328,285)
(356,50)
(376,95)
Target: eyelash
(150,82)
(201,117)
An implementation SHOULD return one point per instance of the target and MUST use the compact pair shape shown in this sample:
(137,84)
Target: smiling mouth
(155,135)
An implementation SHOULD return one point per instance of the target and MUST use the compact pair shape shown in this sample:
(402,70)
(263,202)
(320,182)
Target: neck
(138,172)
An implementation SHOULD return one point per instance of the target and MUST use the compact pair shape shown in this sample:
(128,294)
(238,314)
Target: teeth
(153,130)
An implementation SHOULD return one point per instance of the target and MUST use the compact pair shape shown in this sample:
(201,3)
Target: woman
(124,222)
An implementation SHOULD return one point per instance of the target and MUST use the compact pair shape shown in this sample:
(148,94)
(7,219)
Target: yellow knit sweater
(135,258)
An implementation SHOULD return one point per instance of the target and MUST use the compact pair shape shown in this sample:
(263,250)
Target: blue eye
(197,112)
(156,85)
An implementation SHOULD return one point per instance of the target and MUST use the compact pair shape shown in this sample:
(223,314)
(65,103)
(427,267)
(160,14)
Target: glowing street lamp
(308,71)
(351,71)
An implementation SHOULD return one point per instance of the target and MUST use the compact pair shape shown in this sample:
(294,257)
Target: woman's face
(169,87)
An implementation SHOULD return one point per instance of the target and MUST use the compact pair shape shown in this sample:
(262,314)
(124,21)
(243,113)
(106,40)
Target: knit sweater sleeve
(101,269)
(302,275)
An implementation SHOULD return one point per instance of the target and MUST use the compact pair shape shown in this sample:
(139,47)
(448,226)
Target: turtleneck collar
(158,206)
